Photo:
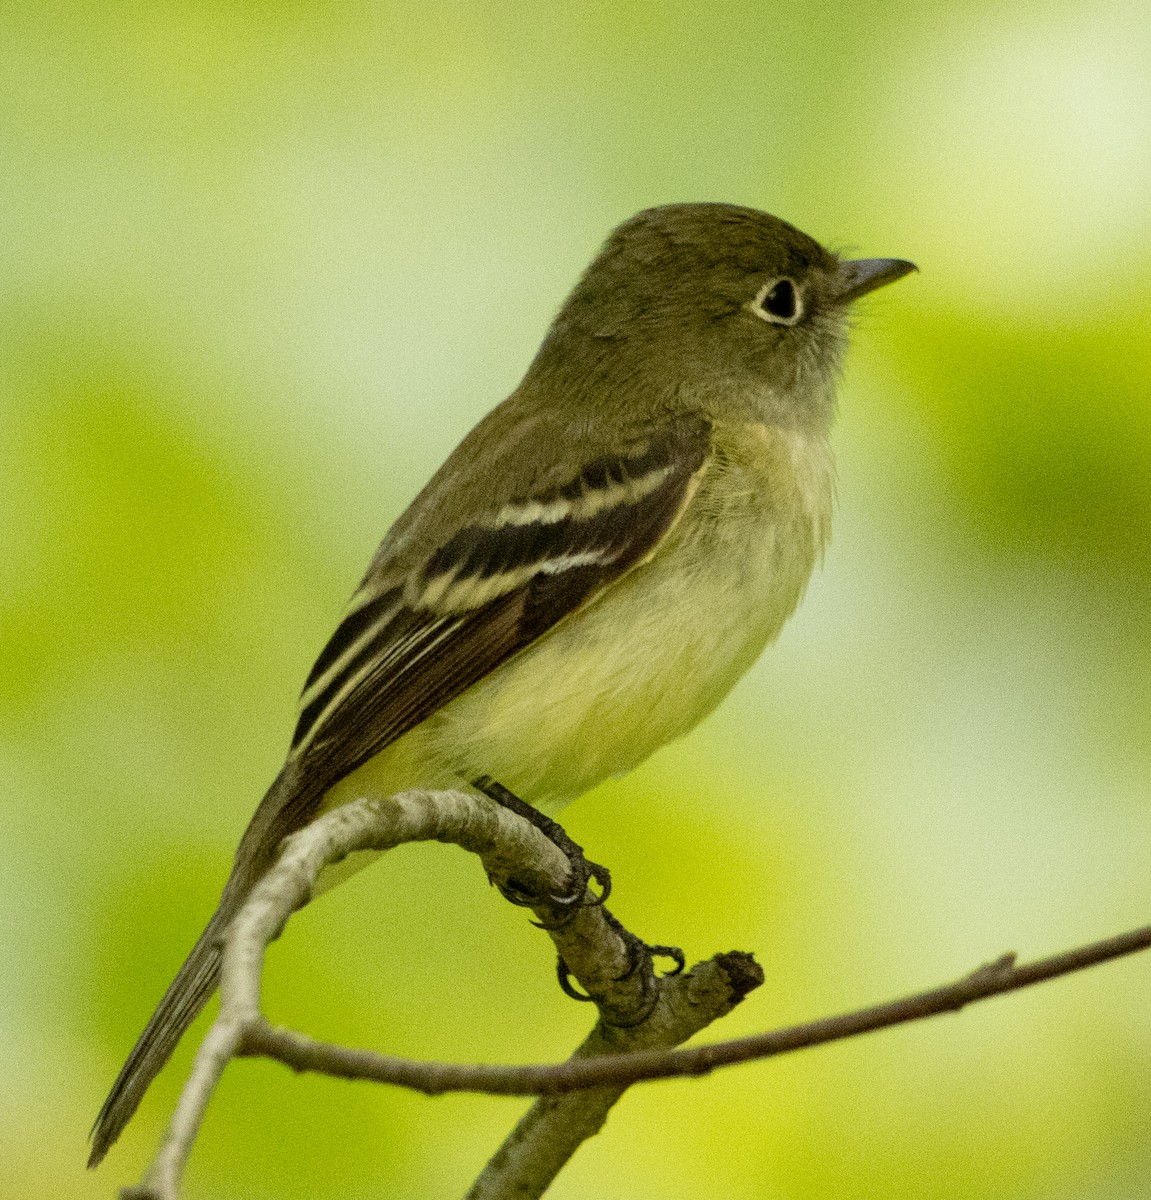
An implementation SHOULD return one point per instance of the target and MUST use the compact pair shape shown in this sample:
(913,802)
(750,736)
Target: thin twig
(640,1016)
(434,1078)
(598,952)
(554,1128)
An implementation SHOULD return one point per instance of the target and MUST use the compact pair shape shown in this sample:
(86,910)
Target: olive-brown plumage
(595,564)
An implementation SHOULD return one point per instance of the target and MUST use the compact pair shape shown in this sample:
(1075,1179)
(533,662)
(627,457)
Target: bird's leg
(640,953)
(583,871)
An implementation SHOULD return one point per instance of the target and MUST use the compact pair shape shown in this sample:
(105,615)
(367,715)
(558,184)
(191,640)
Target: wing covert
(491,589)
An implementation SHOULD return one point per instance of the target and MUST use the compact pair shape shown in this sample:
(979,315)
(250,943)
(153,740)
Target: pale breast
(654,655)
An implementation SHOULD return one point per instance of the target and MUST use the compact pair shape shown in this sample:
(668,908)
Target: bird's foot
(577,894)
(640,955)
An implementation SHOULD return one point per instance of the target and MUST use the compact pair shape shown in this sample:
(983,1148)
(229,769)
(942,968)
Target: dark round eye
(778,302)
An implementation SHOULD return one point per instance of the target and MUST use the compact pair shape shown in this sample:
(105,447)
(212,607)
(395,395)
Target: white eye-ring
(779,302)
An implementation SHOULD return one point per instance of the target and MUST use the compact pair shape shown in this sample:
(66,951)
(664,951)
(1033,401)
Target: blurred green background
(262,265)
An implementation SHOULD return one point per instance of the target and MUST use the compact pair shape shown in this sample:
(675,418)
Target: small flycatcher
(595,565)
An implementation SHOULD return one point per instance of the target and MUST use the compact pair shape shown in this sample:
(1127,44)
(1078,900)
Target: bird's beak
(863,275)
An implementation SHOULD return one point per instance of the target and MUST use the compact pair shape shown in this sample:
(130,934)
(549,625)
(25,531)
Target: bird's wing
(409,645)
(416,636)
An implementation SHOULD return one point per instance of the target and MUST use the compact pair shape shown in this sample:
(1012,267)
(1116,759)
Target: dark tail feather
(284,809)
(186,996)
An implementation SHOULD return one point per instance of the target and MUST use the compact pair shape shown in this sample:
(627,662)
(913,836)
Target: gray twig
(641,1017)
(619,1069)
(636,1008)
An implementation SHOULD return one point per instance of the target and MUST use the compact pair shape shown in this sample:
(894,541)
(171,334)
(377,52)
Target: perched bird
(596,563)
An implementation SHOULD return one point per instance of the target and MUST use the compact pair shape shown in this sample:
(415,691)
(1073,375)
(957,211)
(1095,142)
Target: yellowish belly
(652,656)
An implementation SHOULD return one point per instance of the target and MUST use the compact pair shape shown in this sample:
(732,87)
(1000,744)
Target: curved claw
(677,956)
(577,898)
(583,870)
(562,923)
(641,953)
(580,894)
(514,895)
(602,876)
(564,975)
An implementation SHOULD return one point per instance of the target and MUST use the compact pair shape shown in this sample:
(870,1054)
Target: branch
(640,1016)
(616,1069)
(613,967)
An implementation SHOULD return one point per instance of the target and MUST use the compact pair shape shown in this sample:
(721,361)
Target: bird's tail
(186,996)
(284,808)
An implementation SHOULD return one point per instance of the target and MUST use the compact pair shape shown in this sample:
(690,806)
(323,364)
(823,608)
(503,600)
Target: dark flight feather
(423,653)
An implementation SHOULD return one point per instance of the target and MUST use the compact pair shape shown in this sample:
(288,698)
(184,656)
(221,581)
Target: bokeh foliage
(262,264)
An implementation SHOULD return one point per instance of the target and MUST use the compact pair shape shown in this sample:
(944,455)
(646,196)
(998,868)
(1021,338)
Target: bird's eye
(778,302)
